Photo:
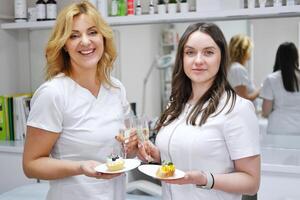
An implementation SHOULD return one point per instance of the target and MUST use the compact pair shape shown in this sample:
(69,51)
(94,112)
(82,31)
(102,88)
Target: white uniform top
(285,117)
(211,147)
(87,126)
(238,75)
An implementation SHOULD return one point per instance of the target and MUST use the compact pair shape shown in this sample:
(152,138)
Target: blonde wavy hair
(58,60)
(239,48)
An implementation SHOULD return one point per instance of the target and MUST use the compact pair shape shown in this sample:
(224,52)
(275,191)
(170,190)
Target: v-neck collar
(101,92)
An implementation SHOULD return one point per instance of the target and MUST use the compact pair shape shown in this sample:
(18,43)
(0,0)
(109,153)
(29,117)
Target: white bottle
(20,7)
(40,10)
(151,7)
(138,8)
(277,3)
(51,10)
(290,2)
(102,7)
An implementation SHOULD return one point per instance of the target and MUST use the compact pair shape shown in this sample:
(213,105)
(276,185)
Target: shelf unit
(222,15)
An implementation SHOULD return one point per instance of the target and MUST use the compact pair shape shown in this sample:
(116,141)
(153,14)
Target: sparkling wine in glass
(143,132)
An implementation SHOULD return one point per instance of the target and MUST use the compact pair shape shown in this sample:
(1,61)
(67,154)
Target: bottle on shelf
(151,7)
(184,6)
(161,7)
(51,10)
(40,10)
(20,7)
(172,6)
(138,8)
(122,8)
(130,7)
(114,7)
(290,2)
(277,3)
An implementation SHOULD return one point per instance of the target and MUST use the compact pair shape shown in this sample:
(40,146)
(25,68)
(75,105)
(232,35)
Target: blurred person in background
(280,92)
(240,51)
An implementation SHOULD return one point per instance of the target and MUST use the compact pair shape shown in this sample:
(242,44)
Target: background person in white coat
(207,130)
(239,52)
(77,112)
(280,93)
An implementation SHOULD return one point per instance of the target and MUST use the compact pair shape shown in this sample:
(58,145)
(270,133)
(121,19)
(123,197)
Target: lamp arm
(154,63)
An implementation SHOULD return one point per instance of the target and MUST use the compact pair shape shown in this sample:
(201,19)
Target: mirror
(267,35)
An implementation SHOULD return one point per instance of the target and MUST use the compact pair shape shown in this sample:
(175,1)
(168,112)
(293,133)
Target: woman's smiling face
(201,59)
(85,44)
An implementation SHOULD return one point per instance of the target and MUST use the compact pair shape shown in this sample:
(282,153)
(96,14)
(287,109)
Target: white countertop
(11,146)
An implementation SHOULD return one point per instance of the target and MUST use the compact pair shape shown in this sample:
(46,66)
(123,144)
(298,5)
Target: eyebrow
(92,27)
(190,47)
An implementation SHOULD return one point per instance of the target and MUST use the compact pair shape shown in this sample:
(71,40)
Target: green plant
(172,1)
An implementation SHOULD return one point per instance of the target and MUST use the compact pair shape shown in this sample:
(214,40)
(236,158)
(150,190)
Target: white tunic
(211,147)
(238,75)
(285,117)
(87,126)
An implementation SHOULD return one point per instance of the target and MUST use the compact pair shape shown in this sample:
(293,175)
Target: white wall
(138,47)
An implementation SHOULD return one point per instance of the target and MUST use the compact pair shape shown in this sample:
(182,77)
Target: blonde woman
(239,51)
(77,112)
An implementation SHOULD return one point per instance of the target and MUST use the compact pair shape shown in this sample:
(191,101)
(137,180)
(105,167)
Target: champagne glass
(143,133)
(128,126)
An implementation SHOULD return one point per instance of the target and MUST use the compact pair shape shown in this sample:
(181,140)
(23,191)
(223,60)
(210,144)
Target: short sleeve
(241,130)
(125,104)
(46,109)
(266,91)
(238,77)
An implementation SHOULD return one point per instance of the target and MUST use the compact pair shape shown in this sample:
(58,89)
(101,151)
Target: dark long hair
(287,60)
(182,87)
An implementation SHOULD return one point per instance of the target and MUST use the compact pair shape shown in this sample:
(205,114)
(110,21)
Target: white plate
(150,170)
(129,165)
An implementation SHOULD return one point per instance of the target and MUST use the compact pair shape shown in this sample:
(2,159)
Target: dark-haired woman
(281,92)
(207,130)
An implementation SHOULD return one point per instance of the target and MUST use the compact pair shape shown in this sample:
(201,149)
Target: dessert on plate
(166,170)
(115,163)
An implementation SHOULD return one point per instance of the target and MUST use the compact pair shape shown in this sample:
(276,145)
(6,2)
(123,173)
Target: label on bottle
(51,11)
(40,11)
(138,10)
(20,10)
(151,10)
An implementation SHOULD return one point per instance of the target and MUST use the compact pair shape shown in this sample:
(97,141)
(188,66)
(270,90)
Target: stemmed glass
(143,132)
(128,127)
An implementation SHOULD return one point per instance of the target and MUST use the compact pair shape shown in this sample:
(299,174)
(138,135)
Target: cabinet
(11,172)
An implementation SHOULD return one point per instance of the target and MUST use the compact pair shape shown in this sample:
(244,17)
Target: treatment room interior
(140,45)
